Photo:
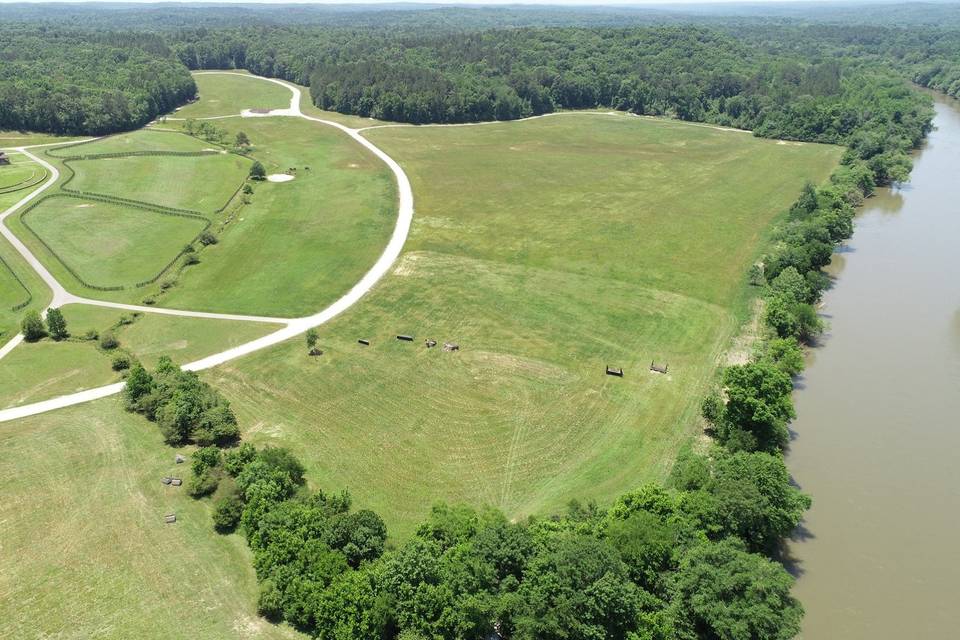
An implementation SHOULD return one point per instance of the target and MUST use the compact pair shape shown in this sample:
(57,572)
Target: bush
(191,259)
(108,341)
(207,239)
(226,513)
(32,327)
(257,172)
(203,484)
(247,190)
(120,362)
(91,334)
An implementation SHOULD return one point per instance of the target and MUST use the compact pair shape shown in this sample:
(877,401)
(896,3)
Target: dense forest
(79,82)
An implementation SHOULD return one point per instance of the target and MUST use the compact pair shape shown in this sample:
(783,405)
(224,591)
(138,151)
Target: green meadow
(18,282)
(108,244)
(222,95)
(86,553)
(547,249)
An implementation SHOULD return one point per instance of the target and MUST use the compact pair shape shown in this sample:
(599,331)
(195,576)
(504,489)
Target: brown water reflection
(877,443)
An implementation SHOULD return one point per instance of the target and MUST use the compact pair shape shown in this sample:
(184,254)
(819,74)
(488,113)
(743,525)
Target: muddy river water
(877,441)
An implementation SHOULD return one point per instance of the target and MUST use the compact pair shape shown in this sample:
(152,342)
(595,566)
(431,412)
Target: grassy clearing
(47,369)
(153,335)
(203,183)
(108,244)
(300,244)
(85,551)
(547,249)
(222,95)
(20,174)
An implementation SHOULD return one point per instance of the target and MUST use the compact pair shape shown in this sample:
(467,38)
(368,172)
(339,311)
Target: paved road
(292,328)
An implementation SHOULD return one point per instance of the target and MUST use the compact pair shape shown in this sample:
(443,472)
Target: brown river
(877,441)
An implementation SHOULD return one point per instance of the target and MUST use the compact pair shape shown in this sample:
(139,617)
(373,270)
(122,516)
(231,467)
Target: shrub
(207,239)
(203,484)
(108,341)
(91,334)
(167,284)
(121,362)
(257,172)
(247,190)
(32,327)
(226,513)
(312,336)
(191,259)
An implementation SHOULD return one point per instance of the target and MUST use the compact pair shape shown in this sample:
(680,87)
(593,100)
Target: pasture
(204,183)
(548,249)
(18,282)
(86,553)
(222,95)
(107,244)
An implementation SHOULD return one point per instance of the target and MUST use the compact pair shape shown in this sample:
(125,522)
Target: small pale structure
(405,338)
(364,342)
(170,518)
(176,482)
(615,371)
(166,480)
(178,459)
(430,343)
(657,368)
(451,346)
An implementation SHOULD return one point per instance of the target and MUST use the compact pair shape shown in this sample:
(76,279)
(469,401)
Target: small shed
(166,480)
(4,159)
(615,371)
(430,343)
(405,338)
(176,482)
(170,518)
(451,346)
(179,459)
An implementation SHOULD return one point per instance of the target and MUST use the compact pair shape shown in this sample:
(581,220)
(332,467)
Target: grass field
(222,95)
(11,292)
(26,138)
(298,245)
(85,551)
(153,335)
(140,140)
(46,369)
(203,183)
(109,244)
(547,249)
(20,174)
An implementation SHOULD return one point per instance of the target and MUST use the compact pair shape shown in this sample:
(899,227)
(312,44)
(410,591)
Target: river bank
(876,436)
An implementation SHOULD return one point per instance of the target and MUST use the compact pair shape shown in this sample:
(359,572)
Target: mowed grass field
(47,369)
(222,95)
(85,551)
(547,249)
(109,244)
(197,183)
(298,245)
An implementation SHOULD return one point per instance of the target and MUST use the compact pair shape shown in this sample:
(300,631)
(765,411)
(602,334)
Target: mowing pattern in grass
(85,551)
(547,249)
(14,291)
(222,95)
(47,369)
(105,245)
(135,141)
(20,175)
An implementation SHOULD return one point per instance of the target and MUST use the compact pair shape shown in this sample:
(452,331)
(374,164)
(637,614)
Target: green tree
(226,513)
(32,327)
(57,325)
(758,403)
(257,172)
(721,592)
(785,354)
(241,140)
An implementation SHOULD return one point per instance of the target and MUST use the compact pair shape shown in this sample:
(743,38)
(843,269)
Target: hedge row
(111,200)
(18,307)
